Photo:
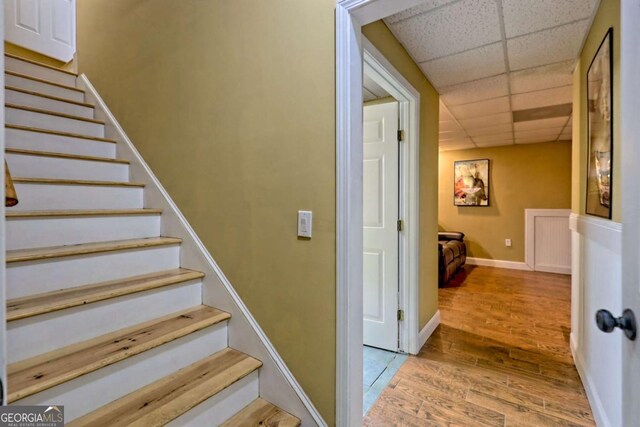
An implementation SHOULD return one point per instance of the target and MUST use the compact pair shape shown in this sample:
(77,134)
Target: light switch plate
(305,223)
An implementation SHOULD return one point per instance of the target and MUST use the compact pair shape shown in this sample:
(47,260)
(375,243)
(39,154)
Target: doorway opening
(390,222)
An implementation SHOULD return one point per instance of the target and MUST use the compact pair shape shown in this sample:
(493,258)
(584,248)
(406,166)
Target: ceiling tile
(485,139)
(545,77)
(457,141)
(489,130)
(478,90)
(482,108)
(450,127)
(542,98)
(556,122)
(546,47)
(487,61)
(483,121)
(444,113)
(495,143)
(454,28)
(521,17)
(448,136)
(416,10)
(456,145)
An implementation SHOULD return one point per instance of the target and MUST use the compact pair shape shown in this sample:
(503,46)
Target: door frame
(351,15)
(376,66)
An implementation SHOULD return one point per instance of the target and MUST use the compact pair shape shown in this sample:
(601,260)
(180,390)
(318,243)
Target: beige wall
(530,176)
(380,36)
(608,16)
(232,104)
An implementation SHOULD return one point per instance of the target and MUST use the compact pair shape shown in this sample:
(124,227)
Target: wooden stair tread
(44,95)
(65,156)
(33,305)
(261,413)
(40,64)
(53,113)
(37,79)
(59,133)
(76,182)
(80,212)
(171,396)
(56,367)
(21,255)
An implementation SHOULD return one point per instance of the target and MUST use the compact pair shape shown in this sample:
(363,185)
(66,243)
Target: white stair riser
(60,168)
(40,87)
(26,140)
(28,100)
(22,67)
(23,233)
(34,335)
(219,408)
(35,277)
(55,197)
(16,116)
(91,391)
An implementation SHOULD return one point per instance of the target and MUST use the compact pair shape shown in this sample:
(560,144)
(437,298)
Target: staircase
(103,316)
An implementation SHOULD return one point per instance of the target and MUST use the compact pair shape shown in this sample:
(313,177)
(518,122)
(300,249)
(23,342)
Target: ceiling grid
(489,59)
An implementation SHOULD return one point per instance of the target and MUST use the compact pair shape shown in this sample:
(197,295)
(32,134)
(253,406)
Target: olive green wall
(529,176)
(608,15)
(232,104)
(380,36)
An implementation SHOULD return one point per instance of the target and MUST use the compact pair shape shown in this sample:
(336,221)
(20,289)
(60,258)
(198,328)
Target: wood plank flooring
(500,357)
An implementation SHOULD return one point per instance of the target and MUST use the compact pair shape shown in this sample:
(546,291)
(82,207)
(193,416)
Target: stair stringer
(277,383)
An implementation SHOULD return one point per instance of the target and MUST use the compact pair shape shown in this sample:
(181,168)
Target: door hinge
(400,135)
(400,225)
(400,315)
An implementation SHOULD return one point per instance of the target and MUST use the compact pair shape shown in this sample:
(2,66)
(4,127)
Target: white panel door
(44,26)
(3,234)
(630,144)
(380,226)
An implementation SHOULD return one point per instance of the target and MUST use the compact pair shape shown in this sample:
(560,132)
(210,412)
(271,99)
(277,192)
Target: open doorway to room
(512,336)
(390,233)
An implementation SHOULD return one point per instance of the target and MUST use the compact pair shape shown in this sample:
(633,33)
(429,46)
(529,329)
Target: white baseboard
(599,414)
(428,329)
(512,265)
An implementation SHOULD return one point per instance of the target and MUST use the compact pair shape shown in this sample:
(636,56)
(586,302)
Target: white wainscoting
(596,284)
(548,240)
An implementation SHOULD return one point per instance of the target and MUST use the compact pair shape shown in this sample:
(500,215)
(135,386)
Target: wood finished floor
(500,357)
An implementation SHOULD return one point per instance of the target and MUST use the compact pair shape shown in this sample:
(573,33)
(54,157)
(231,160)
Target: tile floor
(379,368)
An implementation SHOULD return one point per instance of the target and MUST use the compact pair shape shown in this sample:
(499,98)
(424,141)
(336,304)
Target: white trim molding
(351,15)
(277,383)
(599,413)
(385,74)
(511,265)
(428,329)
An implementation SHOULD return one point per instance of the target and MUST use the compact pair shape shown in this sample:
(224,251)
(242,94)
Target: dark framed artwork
(471,182)
(600,129)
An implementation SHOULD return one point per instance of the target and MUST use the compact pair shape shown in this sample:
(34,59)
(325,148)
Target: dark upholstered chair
(452,254)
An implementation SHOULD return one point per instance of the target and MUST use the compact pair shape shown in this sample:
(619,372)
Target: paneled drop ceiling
(503,68)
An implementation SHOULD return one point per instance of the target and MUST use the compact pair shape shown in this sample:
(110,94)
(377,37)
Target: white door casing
(380,215)
(44,26)
(3,234)
(630,149)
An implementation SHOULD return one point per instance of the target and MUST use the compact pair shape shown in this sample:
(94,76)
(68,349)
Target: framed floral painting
(471,182)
